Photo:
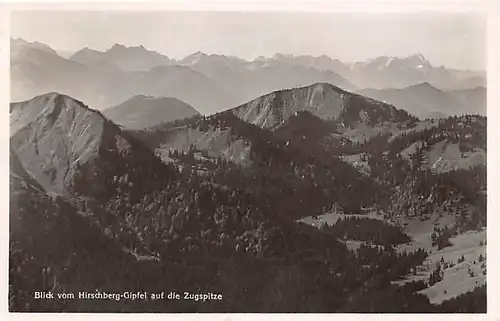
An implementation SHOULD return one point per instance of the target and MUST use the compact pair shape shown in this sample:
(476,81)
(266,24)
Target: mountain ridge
(323,100)
(127,58)
(424,100)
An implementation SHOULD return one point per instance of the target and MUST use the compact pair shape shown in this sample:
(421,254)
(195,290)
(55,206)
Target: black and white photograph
(244,161)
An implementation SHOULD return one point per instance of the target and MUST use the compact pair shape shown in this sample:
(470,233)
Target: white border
(491,7)
(370,6)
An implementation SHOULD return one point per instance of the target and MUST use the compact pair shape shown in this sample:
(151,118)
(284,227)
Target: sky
(454,40)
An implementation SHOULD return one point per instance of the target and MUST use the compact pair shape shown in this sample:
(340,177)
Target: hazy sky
(454,40)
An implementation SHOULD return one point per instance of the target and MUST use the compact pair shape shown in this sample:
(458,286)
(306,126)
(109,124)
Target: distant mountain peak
(19,41)
(417,60)
(117,46)
(141,48)
(136,58)
(22,43)
(87,49)
(417,56)
(425,85)
(197,54)
(283,56)
(141,96)
(194,58)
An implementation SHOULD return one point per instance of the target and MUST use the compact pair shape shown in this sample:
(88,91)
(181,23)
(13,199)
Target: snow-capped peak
(389,61)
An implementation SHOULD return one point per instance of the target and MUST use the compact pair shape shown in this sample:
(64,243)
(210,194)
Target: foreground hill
(323,100)
(426,101)
(53,248)
(145,111)
(320,126)
(289,132)
(69,148)
(435,168)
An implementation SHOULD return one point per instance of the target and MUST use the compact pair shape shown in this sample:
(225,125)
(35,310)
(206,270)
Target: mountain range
(208,82)
(126,58)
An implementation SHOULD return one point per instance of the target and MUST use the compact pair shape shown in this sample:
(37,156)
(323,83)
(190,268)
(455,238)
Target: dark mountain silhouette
(145,111)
